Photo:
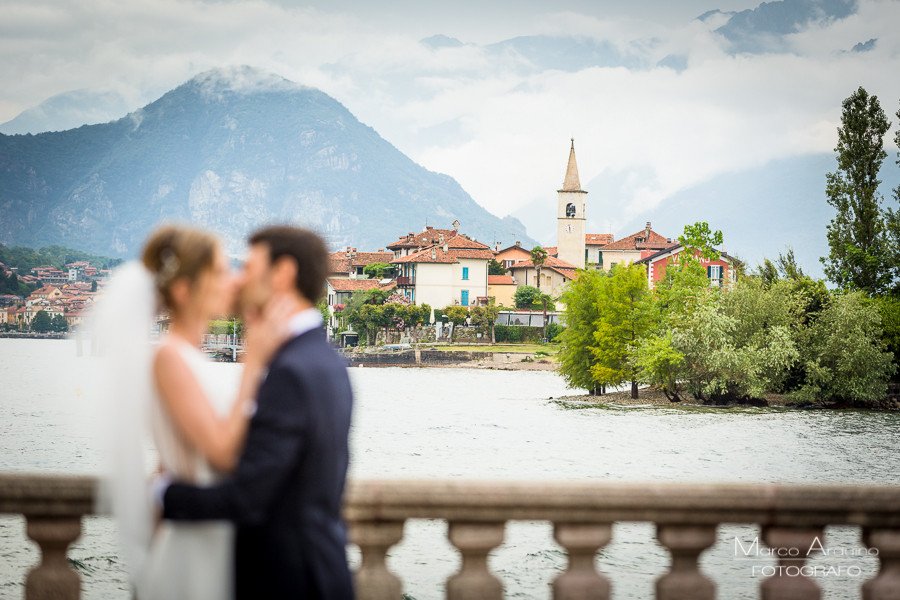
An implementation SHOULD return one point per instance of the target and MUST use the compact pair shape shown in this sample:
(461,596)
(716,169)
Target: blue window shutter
(709,272)
(465,272)
(465,298)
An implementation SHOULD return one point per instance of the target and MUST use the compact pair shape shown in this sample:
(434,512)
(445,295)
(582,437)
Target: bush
(843,354)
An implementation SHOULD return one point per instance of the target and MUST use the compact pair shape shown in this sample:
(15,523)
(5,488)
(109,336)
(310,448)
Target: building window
(586,255)
(465,272)
(465,298)
(714,271)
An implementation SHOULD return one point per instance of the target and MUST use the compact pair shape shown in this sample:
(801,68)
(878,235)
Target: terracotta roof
(464,242)
(339,263)
(552,250)
(655,241)
(501,280)
(355,285)
(425,238)
(598,239)
(361,259)
(459,248)
(513,247)
(551,261)
(425,256)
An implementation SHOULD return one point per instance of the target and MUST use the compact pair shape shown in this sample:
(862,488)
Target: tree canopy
(860,253)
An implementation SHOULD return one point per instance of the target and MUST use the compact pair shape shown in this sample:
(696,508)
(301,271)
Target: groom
(285,494)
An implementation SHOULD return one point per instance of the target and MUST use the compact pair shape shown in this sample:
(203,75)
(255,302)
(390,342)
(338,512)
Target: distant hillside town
(61,301)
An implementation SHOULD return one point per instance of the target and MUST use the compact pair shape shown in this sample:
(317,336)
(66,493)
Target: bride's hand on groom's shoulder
(268,330)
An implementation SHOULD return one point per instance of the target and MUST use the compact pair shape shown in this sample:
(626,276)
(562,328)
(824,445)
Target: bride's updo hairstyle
(173,252)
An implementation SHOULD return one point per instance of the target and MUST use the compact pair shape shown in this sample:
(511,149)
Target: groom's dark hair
(306,248)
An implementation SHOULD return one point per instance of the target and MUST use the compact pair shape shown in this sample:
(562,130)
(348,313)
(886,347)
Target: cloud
(497,118)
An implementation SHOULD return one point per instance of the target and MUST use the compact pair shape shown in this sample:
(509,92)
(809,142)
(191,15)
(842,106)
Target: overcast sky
(502,130)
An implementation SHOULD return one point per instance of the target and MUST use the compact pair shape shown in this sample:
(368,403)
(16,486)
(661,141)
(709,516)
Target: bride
(197,418)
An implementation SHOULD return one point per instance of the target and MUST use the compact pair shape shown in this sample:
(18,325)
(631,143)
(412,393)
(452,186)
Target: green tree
(538,258)
(377,270)
(699,239)
(94,286)
(59,324)
(322,306)
(625,317)
(576,355)
(660,364)
(41,322)
(860,256)
(456,315)
(485,317)
(844,355)
(544,300)
(495,268)
(526,295)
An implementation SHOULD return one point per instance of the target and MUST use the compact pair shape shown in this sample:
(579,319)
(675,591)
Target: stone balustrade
(686,518)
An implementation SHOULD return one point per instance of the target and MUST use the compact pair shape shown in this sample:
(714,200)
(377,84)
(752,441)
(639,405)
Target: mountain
(67,111)
(762,29)
(231,150)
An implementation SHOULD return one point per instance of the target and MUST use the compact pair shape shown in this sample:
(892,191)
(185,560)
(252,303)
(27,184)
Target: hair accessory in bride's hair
(169,265)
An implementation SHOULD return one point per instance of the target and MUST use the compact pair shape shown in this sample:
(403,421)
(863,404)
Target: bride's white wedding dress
(189,561)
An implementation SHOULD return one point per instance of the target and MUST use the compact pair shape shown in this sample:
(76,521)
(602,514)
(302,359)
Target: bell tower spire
(570,220)
(572,182)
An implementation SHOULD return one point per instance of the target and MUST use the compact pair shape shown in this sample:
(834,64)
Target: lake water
(454,423)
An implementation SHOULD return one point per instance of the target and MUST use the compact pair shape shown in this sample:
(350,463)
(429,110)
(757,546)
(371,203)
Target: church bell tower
(570,219)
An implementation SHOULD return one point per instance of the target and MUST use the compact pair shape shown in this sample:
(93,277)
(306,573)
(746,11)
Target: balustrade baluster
(581,581)
(53,578)
(474,541)
(791,545)
(373,580)
(885,585)
(684,581)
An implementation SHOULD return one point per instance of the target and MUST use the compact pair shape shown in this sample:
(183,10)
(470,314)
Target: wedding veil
(123,320)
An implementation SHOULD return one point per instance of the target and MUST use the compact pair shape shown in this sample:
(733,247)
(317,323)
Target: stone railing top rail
(683,503)
(491,501)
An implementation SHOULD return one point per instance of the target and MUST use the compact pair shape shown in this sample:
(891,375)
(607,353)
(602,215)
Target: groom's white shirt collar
(305,320)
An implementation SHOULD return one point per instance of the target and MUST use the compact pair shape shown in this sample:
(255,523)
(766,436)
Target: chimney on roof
(497,247)
(441,237)
(668,240)
(518,243)
(446,248)
(648,231)
(427,227)
(381,249)
(433,253)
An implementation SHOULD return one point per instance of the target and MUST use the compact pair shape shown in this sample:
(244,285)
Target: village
(59,304)
(445,268)
(437,267)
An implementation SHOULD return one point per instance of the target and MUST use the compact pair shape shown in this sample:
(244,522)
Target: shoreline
(653,397)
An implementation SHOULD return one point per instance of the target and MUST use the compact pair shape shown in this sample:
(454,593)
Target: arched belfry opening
(570,210)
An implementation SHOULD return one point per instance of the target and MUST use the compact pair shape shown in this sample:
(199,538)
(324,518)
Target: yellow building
(502,288)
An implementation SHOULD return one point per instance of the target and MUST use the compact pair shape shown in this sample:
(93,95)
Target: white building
(452,272)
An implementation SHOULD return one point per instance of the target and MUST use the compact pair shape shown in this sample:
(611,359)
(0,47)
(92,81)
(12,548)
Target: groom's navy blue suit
(285,495)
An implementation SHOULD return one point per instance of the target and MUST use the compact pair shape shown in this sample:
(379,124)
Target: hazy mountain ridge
(230,150)
(68,111)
